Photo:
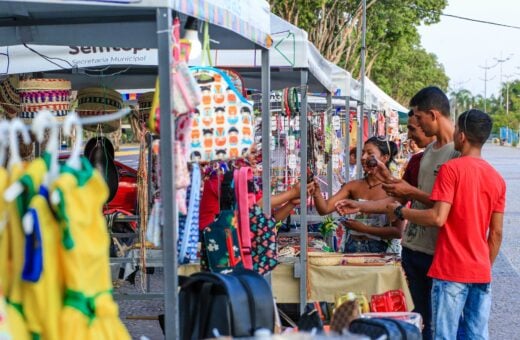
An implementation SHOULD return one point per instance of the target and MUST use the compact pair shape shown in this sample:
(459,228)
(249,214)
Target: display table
(325,282)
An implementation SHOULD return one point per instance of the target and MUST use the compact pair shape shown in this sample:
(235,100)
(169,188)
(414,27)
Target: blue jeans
(451,300)
(416,265)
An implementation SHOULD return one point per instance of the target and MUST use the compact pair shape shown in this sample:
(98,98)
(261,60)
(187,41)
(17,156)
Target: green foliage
(395,59)
(328,226)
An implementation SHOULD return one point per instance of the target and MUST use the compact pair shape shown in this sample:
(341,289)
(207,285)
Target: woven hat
(98,101)
(145,105)
(39,94)
(9,97)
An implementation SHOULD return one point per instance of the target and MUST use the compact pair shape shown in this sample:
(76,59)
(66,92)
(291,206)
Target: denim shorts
(451,300)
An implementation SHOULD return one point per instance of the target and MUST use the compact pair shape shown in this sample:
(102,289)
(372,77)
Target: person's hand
(381,172)
(346,207)
(398,188)
(311,187)
(355,225)
(390,208)
(295,201)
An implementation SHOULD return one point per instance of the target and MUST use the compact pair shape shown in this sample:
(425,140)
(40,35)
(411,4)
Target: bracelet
(398,212)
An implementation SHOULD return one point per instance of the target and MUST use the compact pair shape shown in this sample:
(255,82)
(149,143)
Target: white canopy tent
(143,24)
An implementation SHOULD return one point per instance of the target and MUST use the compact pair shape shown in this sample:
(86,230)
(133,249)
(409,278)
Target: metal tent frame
(136,24)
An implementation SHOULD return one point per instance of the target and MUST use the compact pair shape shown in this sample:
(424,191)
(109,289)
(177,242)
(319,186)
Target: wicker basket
(145,105)
(98,101)
(325,259)
(9,97)
(39,94)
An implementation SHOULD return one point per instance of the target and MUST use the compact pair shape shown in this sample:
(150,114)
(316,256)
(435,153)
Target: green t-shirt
(417,237)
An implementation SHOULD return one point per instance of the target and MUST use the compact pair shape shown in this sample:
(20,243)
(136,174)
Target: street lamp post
(486,68)
(501,61)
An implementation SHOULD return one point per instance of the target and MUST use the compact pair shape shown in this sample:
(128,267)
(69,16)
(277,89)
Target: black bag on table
(234,304)
(392,328)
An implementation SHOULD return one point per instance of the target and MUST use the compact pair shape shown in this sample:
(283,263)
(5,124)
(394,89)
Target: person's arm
(495,235)
(280,199)
(402,189)
(393,231)
(347,206)
(323,206)
(433,217)
(282,213)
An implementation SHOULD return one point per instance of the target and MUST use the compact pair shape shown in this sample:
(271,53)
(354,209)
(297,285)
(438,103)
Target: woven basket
(325,259)
(145,105)
(98,101)
(40,94)
(9,97)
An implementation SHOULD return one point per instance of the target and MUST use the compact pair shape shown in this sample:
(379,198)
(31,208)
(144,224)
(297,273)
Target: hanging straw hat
(145,105)
(98,101)
(9,97)
(39,94)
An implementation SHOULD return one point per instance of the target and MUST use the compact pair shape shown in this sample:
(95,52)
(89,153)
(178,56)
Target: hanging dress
(5,331)
(89,311)
(42,285)
(12,260)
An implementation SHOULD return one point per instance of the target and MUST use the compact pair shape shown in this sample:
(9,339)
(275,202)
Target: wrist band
(398,212)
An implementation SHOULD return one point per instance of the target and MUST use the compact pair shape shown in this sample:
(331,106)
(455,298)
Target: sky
(462,46)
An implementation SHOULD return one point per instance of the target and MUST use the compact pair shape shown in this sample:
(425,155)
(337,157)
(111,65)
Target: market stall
(136,25)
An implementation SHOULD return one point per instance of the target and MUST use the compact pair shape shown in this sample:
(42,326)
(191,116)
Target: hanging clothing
(5,331)
(12,260)
(89,310)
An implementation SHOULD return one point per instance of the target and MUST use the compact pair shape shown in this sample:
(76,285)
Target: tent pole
(329,163)
(347,139)
(359,144)
(362,102)
(266,132)
(303,190)
(168,189)
(266,137)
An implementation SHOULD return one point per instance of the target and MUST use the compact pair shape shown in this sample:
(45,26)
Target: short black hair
(410,113)
(476,125)
(431,98)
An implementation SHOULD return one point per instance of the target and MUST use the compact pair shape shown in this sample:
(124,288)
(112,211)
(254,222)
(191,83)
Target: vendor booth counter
(326,282)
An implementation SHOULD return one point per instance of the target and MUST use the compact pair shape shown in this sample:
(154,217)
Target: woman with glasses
(372,233)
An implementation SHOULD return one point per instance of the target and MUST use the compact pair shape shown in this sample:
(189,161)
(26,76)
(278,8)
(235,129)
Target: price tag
(336,123)
(291,162)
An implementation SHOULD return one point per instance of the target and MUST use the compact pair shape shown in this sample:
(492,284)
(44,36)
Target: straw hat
(9,97)
(145,104)
(39,94)
(98,101)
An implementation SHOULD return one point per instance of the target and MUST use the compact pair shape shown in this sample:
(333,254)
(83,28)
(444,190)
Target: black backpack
(234,304)
(392,328)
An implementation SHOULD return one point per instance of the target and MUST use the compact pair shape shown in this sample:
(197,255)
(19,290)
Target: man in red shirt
(469,196)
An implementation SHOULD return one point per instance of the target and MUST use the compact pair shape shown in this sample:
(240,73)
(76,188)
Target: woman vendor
(370,233)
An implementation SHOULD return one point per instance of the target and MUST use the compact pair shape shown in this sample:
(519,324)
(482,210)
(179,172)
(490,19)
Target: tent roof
(130,23)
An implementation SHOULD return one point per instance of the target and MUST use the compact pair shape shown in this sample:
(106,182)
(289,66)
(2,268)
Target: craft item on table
(390,301)
(361,299)
(9,97)
(359,259)
(221,129)
(44,94)
(98,101)
(144,102)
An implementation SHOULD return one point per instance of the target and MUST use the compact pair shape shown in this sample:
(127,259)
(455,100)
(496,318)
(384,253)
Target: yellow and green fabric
(89,311)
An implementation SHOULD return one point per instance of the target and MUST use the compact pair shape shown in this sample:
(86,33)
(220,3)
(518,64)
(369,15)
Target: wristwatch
(399,213)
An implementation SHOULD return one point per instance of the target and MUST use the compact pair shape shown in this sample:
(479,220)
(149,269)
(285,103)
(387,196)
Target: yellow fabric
(86,265)
(43,300)
(5,331)
(11,264)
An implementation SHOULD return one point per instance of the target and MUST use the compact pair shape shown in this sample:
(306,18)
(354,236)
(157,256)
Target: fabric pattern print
(263,242)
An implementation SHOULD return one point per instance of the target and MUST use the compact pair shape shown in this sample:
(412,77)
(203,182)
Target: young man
(469,196)
(431,108)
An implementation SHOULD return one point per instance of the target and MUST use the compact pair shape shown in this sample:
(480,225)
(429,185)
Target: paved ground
(505,320)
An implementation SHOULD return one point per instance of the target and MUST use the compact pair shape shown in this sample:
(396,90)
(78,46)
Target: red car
(125,198)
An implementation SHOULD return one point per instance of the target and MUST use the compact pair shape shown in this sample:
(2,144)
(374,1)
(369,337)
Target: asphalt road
(505,320)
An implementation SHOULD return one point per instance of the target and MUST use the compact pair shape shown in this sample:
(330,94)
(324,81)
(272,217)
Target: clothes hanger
(46,120)
(71,121)
(16,126)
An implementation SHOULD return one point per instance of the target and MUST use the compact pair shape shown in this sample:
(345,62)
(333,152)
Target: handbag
(263,242)
(189,224)
(223,250)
